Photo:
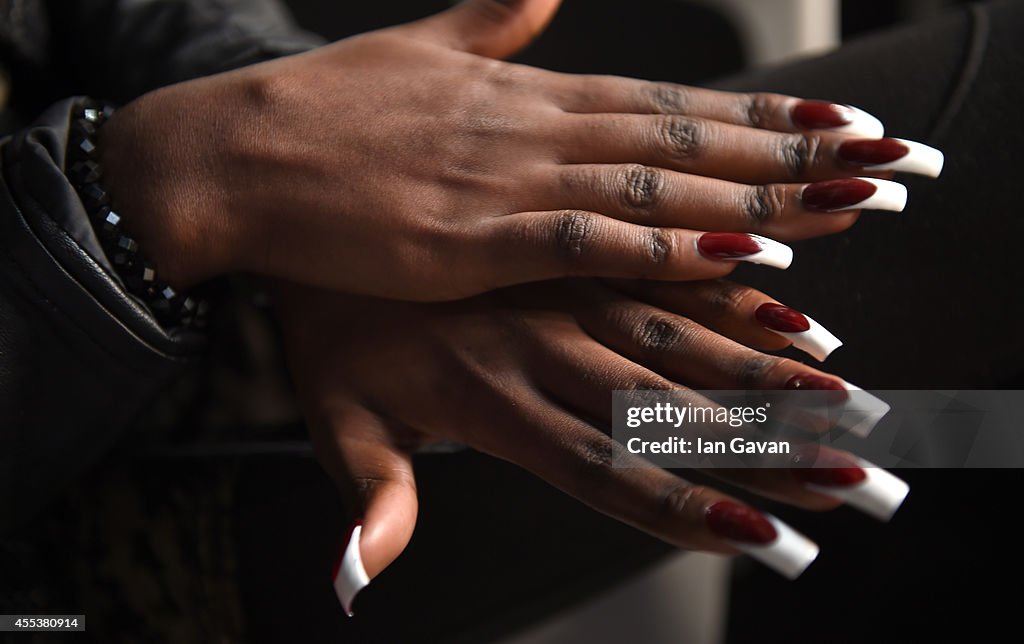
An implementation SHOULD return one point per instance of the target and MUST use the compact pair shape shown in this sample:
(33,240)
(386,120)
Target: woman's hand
(520,374)
(410,163)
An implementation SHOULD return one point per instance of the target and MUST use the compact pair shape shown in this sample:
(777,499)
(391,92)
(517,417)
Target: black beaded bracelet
(171,308)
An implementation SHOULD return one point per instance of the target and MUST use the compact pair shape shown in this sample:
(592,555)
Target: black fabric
(78,356)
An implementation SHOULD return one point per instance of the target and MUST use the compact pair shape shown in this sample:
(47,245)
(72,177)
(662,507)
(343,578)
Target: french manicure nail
(349,575)
(861,193)
(745,248)
(857,483)
(805,334)
(844,119)
(814,382)
(900,155)
(858,412)
(861,412)
(762,537)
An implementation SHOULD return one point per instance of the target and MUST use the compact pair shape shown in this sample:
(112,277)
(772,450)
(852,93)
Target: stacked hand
(412,164)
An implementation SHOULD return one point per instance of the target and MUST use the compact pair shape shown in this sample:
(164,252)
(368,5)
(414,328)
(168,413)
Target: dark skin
(411,163)
(523,374)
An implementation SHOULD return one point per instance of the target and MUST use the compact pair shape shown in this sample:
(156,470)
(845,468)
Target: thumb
(376,477)
(492,28)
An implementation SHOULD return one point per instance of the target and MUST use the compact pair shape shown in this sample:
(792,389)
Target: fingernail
(745,248)
(349,575)
(861,412)
(825,468)
(844,119)
(862,193)
(814,382)
(900,155)
(805,334)
(763,537)
(856,483)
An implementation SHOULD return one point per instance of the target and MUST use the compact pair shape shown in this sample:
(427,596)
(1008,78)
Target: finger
(657,197)
(738,312)
(492,28)
(684,351)
(376,478)
(614,94)
(823,478)
(528,247)
(731,152)
(820,478)
(588,465)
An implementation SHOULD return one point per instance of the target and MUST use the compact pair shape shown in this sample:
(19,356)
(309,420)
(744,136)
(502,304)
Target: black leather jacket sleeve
(79,356)
(120,49)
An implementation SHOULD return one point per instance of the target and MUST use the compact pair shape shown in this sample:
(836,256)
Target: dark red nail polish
(781,318)
(830,469)
(837,194)
(816,115)
(739,523)
(727,245)
(872,151)
(814,382)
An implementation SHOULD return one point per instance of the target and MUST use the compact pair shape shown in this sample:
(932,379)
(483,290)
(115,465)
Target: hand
(513,374)
(409,163)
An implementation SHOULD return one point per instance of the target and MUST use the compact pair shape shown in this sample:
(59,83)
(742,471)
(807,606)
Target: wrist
(154,170)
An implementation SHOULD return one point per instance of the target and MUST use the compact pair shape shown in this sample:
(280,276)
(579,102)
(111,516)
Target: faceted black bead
(109,222)
(128,244)
(86,171)
(94,196)
(84,127)
(87,146)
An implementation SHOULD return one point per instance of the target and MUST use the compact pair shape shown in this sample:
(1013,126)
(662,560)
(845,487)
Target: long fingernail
(861,412)
(857,483)
(349,575)
(861,193)
(805,334)
(858,413)
(745,248)
(844,119)
(763,537)
(900,155)
(814,382)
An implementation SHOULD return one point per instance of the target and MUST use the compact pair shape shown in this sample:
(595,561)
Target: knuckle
(799,152)
(752,371)
(642,187)
(667,98)
(727,298)
(757,109)
(682,499)
(573,230)
(593,461)
(764,203)
(661,332)
(660,245)
(682,137)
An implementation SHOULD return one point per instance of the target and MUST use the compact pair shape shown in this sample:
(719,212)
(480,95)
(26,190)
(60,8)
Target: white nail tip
(860,123)
(879,495)
(772,253)
(921,159)
(861,412)
(816,341)
(789,554)
(351,577)
(889,195)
